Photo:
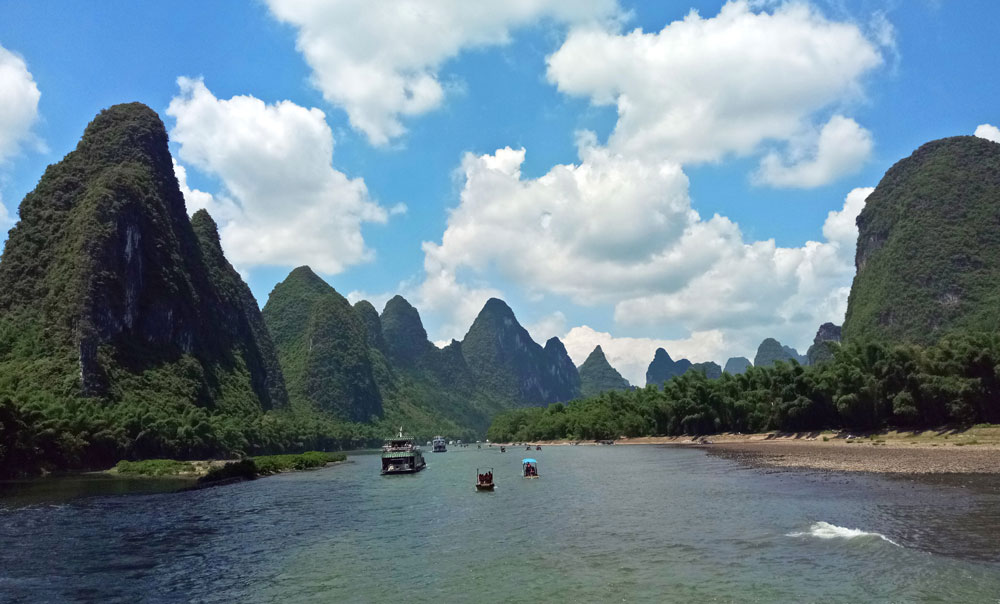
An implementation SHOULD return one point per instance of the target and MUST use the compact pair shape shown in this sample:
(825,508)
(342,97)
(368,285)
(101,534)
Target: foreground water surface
(627,524)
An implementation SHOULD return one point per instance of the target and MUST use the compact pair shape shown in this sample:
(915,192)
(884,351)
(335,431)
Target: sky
(684,174)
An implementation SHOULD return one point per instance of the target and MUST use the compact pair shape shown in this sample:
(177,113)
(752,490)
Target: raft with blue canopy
(529,468)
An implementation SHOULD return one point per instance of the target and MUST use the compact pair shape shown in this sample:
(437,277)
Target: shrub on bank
(154,467)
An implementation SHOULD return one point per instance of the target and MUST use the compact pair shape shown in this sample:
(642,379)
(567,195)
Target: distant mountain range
(126,333)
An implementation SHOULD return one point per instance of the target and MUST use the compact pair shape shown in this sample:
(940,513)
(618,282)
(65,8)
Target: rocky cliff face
(597,375)
(505,360)
(737,365)
(323,348)
(662,368)
(405,336)
(928,245)
(104,271)
(820,351)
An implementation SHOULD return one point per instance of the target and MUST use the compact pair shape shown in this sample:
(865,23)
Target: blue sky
(618,259)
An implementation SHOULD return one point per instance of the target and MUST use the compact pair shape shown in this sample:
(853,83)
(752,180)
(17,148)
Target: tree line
(864,386)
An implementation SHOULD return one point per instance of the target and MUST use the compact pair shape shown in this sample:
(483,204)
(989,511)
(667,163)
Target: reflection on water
(637,523)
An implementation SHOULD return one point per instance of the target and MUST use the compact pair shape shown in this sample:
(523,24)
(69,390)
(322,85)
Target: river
(611,523)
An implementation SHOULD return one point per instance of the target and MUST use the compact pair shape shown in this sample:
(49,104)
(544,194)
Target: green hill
(709,369)
(737,365)
(323,348)
(928,245)
(771,351)
(124,332)
(597,375)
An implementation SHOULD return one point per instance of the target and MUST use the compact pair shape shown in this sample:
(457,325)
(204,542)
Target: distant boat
(401,456)
(529,468)
(538,448)
(503,449)
(439,445)
(484,481)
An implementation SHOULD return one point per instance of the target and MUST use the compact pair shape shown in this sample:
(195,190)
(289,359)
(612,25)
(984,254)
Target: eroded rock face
(928,245)
(106,262)
(597,375)
(662,368)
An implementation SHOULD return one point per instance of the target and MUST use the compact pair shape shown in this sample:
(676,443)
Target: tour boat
(439,445)
(529,468)
(401,456)
(484,481)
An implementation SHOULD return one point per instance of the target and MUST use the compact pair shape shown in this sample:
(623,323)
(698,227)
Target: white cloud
(839,149)
(989,132)
(758,289)
(283,203)
(700,88)
(380,62)
(550,326)
(620,231)
(596,231)
(18,104)
(631,356)
(6,220)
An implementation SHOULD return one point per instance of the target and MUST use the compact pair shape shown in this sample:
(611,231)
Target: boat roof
(528,460)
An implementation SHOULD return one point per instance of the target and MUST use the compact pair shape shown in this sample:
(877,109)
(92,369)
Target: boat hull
(485,487)
(412,470)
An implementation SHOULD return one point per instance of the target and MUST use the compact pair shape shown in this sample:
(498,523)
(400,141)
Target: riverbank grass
(272,464)
(154,467)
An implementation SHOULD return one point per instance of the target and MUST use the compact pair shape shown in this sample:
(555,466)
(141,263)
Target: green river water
(602,524)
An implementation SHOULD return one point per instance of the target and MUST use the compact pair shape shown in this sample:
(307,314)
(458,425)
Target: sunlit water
(602,524)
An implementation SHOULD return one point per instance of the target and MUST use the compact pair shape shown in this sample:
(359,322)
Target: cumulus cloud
(18,104)
(622,231)
(283,203)
(758,289)
(989,132)
(702,88)
(381,63)
(631,356)
(839,149)
(6,220)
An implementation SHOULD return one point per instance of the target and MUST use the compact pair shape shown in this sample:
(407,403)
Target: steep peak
(495,307)
(404,332)
(304,276)
(737,365)
(205,228)
(661,355)
(662,368)
(373,324)
(124,133)
(554,344)
(596,355)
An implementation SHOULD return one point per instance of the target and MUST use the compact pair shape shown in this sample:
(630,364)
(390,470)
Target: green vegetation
(863,387)
(928,247)
(597,375)
(154,467)
(322,348)
(272,464)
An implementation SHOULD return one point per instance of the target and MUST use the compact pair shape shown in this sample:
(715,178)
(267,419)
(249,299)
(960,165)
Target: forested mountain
(822,347)
(123,329)
(737,365)
(662,368)
(323,348)
(771,351)
(505,360)
(597,375)
(709,369)
(928,245)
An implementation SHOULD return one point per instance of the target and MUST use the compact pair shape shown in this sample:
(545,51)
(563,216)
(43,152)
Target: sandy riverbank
(975,450)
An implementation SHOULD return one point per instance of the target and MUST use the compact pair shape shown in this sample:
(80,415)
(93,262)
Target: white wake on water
(825,530)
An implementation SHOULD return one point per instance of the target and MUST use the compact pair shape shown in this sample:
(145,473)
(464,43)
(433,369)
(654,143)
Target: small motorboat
(529,468)
(538,448)
(503,449)
(484,480)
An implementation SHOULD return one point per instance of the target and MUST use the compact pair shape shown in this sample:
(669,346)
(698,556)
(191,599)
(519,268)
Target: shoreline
(974,450)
